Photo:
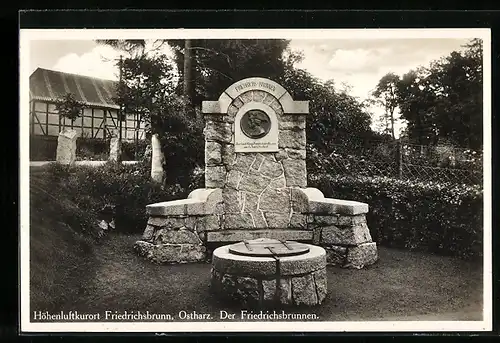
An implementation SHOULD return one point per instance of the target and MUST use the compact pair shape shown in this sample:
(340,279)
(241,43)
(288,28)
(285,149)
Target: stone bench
(178,231)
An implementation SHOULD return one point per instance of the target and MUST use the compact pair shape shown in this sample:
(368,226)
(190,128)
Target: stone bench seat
(205,201)
(200,202)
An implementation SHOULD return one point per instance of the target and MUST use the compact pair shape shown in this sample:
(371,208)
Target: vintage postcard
(255,180)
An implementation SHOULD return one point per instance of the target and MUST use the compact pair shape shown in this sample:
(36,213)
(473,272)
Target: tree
(385,94)
(444,100)
(217,63)
(148,89)
(69,107)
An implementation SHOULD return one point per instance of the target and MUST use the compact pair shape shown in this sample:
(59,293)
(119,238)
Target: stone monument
(256,186)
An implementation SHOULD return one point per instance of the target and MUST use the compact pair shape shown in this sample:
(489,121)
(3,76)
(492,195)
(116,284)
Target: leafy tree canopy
(69,107)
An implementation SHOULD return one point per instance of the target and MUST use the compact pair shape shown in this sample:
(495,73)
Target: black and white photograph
(255,180)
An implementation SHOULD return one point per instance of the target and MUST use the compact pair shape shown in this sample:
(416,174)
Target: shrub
(134,150)
(437,217)
(127,187)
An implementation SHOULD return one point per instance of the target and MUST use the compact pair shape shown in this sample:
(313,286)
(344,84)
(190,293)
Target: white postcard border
(27,35)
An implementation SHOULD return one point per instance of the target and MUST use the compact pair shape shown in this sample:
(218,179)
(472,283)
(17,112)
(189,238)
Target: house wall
(94,123)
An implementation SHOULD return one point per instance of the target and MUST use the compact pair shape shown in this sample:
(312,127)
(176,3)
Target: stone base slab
(231,236)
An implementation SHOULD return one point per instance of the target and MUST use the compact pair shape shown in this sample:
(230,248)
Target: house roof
(50,85)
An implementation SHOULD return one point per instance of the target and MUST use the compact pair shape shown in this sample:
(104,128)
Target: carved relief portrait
(255,124)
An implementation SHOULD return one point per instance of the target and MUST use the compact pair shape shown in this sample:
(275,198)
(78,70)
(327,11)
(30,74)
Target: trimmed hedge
(435,217)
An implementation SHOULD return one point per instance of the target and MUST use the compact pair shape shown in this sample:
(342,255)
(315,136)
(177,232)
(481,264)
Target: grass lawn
(401,286)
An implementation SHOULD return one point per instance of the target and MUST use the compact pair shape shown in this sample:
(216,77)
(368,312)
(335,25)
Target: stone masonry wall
(256,187)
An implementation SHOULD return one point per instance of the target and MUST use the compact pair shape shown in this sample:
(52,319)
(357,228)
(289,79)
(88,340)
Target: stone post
(115,150)
(156,159)
(66,147)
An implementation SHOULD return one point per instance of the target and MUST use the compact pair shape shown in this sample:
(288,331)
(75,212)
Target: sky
(360,63)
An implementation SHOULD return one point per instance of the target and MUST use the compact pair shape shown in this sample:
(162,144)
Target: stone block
(271,168)
(336,206)
(247,289)
(277,220)
(219,132)
(291,106)
(351,220)
(279,182)
(257,162)
(228,286)
(295,139)
(191,222)
(335,255)
(320,220)
(208,223)
(169,208)
(300,201)
(298,220)
(224,101)
(211,107)
(296,154)
(167,222)
(228,154)
(213,200)
(362,255)
(254,183)
(292,125)
(275,200)
(320,281)
(197,208)
(232,110)
(299,265)
(316,235)
(213,153)
(148,233)
(233,178)
(250,202)
(304,290)
(259,220)
(269,290)
(233,200)
(215,177)
(238,221)
(276,106)
(295,172)
(171,253)
(181,236)
(66,147)
(259,95)
(352,235)
(246,97)
(143,249)
(281,155)
(243,162)
(238,102)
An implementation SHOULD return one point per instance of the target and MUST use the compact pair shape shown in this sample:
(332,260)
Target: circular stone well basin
(249,272)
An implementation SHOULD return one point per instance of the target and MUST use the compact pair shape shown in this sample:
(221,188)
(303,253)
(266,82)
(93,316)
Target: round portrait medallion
(255,123)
